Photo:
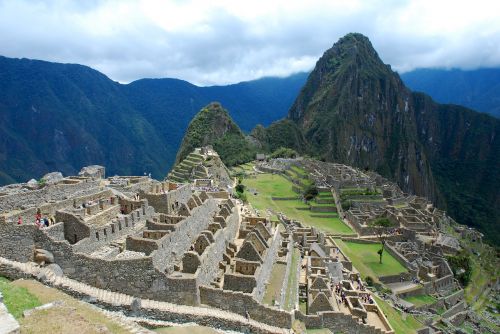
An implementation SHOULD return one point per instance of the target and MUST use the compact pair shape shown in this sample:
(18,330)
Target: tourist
(19,220)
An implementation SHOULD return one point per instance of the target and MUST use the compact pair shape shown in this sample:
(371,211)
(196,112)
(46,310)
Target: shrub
(240,188)
(310,192)
(369,280)
(242,197)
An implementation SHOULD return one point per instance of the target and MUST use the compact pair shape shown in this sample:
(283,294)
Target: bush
(310,192)
(240,188)
(242,197)
(369,280)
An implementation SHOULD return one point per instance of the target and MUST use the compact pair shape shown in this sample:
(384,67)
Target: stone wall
(454,298)
(103,234)
(135,276)
(243,304)
(201,316)
(337,322)
(211,257)
(219,194)
(49,209)
(400,258)
(457,308)
(17,242)
(165,203)
(288,270)
(239,282)
(184,235)
(55,231)
(50,193)
(267,266)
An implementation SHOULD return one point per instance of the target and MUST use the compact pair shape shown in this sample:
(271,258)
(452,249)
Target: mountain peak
(212,125)
(350,61)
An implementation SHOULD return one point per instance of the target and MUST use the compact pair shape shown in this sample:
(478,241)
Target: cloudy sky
(227,41)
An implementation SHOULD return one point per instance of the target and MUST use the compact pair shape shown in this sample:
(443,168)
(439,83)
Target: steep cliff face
(354,109)
(213,126)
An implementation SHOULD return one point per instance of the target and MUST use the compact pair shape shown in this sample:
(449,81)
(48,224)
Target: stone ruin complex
(183,249)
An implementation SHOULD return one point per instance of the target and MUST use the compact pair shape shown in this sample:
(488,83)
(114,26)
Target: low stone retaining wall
(457,308)
(395,278)
(132,306)
(337,322)
(323,208)
(245,305)
(325,216)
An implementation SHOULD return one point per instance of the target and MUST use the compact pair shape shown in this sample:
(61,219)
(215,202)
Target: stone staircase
(122,302)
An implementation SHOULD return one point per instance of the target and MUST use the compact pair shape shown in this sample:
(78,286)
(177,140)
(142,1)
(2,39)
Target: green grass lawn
(325,194)
(17,299)
(421,300)
(365,258)
(400,325)
(268,186)
(291,289)
(272,185)
(274,287)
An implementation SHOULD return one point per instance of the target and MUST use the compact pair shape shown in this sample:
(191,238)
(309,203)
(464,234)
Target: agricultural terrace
(366,259)
(263,187)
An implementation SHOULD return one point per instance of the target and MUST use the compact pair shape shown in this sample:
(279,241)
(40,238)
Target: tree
(380,225)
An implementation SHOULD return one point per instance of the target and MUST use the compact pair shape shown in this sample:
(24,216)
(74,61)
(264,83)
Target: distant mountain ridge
(477,89)
(65,116)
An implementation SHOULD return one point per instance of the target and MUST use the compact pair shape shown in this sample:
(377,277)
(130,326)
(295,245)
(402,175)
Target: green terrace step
(179,174)
(189,164)
(200,175)
(184,169)
(176,179)
(195,157)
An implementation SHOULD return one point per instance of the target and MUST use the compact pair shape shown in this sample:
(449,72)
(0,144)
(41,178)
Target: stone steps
(107,297)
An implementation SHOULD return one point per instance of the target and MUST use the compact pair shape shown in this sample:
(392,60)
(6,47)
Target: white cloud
(224,41)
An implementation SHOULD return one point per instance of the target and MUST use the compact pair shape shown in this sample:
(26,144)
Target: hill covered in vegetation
(213,126)
(60,117)
(477,89)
